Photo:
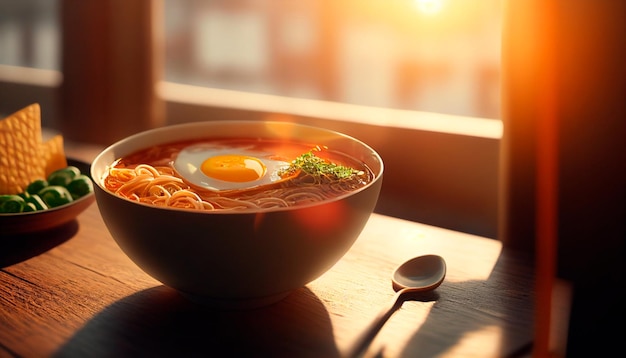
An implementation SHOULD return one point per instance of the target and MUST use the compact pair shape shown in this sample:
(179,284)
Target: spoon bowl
(420,274)
(412,279)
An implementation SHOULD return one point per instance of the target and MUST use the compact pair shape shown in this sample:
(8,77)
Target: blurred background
(427,55)
(418,80)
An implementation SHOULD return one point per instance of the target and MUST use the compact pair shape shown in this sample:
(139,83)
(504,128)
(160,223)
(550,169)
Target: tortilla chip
(54,155)
(23,155)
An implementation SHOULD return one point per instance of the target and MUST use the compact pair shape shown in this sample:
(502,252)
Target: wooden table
(71,292)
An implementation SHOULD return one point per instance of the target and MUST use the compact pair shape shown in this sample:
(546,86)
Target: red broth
(149,176)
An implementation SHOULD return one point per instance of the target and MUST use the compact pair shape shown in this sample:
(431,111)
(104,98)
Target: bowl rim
(154,131)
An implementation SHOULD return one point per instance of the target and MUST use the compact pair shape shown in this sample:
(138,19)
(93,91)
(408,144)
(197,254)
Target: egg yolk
(233,168)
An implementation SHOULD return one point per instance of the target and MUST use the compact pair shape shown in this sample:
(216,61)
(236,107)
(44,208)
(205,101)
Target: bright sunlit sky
(430,55)
(429,7)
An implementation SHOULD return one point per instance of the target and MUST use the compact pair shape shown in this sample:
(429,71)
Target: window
(426,55)
(30,33)
(30,38)
(416,79)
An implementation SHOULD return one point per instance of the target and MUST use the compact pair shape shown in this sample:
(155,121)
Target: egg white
(188,162)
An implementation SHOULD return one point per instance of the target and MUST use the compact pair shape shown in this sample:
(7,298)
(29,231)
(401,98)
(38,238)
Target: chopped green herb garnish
(314,165)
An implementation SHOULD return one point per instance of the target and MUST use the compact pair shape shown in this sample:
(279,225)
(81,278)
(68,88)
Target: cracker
(53,154)
(23,155)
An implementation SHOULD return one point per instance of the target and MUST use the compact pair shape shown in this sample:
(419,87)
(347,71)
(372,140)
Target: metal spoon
(410,280)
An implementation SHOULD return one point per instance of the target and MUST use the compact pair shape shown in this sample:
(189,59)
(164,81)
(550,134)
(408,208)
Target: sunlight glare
(429,7)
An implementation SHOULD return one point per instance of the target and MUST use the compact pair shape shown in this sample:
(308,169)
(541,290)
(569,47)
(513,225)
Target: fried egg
(221,168)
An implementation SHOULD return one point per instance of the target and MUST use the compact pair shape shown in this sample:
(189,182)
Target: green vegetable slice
(55,195)
(36,200)
(11,204)
(29,207)
(63,176)
(35,186)
(80,186)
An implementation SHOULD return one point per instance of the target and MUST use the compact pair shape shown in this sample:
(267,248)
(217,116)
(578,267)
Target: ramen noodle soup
(235,174)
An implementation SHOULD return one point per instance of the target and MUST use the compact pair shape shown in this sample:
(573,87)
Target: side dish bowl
(232,258)
(40,221)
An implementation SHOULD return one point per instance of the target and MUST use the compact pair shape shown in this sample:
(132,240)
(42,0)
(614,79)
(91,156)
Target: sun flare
(429,7)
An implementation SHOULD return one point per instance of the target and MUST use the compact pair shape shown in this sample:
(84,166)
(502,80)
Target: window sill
(373,116)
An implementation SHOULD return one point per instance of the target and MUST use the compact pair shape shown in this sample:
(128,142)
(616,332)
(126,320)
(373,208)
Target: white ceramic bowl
(237,259)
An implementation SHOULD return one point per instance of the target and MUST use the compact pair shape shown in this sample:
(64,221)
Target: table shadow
(159,322)
(16,248)
(508,302)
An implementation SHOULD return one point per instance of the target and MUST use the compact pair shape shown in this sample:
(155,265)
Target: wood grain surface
(71,292)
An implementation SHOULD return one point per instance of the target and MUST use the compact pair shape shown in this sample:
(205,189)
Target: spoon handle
(363,341)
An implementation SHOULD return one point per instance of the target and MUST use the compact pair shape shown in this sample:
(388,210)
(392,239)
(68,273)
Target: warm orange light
(323,219)
(429,7)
